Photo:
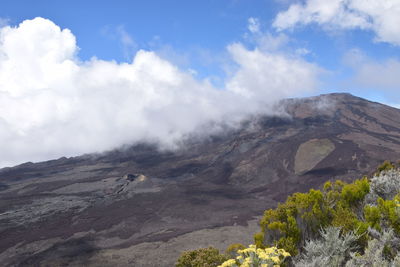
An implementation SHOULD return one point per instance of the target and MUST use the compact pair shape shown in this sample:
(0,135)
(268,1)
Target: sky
(88,76)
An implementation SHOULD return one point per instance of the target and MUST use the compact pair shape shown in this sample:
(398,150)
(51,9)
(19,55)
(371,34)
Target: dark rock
(131,177)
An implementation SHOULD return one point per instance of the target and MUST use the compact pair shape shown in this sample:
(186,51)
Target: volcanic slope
(85,210)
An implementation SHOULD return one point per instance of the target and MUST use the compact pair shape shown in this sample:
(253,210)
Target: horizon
(97,75)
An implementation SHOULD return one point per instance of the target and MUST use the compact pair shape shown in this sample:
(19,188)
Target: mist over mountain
(48,94)
(126,205)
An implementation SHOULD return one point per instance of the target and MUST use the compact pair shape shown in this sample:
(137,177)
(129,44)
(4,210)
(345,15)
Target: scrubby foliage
(232,250)
(303,214)
(253,257)
(356,224)
(331,249)
(379,252)
(350,215)
(386,185)
(385,166)
(203,257)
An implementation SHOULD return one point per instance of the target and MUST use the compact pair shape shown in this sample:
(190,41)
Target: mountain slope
(56,211)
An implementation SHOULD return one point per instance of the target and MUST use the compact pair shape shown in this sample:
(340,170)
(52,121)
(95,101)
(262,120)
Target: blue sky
(182,24)
(101,74)
(176,27)
(183,31)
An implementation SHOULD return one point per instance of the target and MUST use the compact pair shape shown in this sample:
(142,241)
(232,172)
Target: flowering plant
(255,257)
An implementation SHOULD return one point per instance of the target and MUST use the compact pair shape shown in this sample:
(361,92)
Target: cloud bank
(381,17)
(52,104)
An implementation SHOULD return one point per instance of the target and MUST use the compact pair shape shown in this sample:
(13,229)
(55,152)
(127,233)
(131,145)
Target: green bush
(385,166)
(353,193)
(352,207)
(389,211)
(203,257)
(232,250)
(372,216)
(302,216)
(351,224)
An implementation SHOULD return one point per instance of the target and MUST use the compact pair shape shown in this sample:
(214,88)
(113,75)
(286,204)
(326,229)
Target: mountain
(142,207)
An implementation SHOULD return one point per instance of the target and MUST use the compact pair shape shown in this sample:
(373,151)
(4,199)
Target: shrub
(390,214)
(203,257)
(379,251)
(385,185)
(372,216)
(255,257)
(385,166)
(353,194)
(232,250)
(330,250)
(303,214)
(356,224)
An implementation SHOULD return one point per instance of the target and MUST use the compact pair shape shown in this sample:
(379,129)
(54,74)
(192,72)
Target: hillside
(341,225)
(79,210)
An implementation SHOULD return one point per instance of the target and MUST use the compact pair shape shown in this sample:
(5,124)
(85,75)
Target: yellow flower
(252,255)
(228,263)
(275,259)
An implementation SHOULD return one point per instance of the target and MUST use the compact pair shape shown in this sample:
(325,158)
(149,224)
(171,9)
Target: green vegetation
(385,166)
(232,250)
(343,224)
(303,214)
(204,257)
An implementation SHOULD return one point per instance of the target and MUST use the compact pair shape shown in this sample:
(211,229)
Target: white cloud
(269,42)
(381,17)
(368,73)
(52,104)
(302,51)
(286,77)
(266,41)
(253,25)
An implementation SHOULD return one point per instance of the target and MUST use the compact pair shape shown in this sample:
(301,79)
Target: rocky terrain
(141,207)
